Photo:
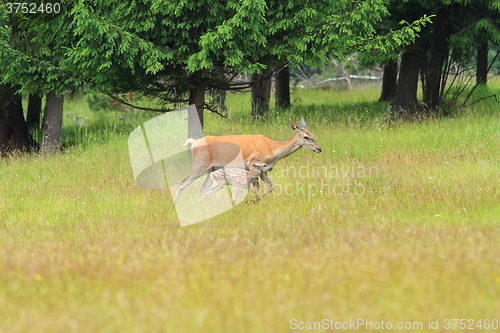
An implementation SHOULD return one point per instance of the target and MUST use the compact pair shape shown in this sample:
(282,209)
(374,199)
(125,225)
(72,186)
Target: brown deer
(208,153)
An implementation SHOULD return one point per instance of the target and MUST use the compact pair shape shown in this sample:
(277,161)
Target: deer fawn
(207,155)
(237,178)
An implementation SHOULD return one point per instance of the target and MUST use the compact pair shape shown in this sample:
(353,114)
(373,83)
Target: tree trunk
(282,88)
(389,82)
(34,111)
(404,105)
(13,130)
(218,99)
(435,60)
(196,97)
(482,63)
(52,123)
(261,93)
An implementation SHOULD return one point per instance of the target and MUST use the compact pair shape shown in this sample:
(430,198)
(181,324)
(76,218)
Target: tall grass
(388,223)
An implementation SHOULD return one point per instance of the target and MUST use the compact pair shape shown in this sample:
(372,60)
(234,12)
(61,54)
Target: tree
(282,88)
(180,45)
(171,50)
(34,111)
(218,95)
(459,27)
(52,122)
(351,27)
(389,81)
(13,130)
(404,105)
(31,63)
(482,63)
(261,93)
(434,58)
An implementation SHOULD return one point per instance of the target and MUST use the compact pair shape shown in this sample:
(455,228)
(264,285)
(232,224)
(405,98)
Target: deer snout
(318,150)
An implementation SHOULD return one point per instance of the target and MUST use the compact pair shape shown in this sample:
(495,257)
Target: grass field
(396,223)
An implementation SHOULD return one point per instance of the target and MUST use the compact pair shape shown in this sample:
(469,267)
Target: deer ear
(293,126)
(303,124)
(257,158)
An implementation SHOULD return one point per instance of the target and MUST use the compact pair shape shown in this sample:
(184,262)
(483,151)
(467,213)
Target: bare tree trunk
(218,98)
(261,93)
(482,63)
(389,81)
(13,130)
(34,111)
(404,105)
(52,123)
(196,97)
(282,88)
(436,57)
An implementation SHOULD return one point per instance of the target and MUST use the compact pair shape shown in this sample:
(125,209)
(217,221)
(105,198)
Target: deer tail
(190,140)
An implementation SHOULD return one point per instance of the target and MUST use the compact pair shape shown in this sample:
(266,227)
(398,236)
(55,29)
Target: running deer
(216,152)
(237,178)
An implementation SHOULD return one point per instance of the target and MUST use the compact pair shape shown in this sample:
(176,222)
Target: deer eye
(307,138)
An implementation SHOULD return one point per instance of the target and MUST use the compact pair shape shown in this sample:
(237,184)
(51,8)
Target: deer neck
(252,174)
(286,147)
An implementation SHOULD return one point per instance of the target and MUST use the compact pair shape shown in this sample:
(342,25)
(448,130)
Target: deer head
(305,138)
(261,165)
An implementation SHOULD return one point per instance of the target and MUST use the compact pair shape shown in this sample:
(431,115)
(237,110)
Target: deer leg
(254,185)
(206,183)
(186,182)
(255,190)
(267,181)
(218,185)
(236,191)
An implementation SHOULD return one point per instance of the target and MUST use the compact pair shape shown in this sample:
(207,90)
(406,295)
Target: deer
(215,152)
(237,178)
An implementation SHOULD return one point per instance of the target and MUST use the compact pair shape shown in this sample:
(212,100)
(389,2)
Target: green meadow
(391,223)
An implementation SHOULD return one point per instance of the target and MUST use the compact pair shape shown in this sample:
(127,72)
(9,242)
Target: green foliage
(386,47)
(236,42)
(4,28)
(154,46)
(31,58)
(476,23)
(471,22)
